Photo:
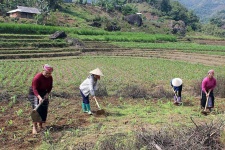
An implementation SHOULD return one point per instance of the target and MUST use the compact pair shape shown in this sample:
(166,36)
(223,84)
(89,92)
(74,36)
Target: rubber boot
(88,109)
(84,108)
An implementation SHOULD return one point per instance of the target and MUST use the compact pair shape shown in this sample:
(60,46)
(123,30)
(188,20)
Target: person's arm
(171,83)
(204,85)
(91,85)
(204,82)
(35,84)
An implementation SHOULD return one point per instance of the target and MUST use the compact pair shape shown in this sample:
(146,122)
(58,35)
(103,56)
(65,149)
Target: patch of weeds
(133,91)
(92,119)
(27,105)
(102,90)
(116,141)
(159,92)
(63,104)
(103,128)
(10,104)
(2,130)
(70,121)
(47,134)
(3,109)
(220,86)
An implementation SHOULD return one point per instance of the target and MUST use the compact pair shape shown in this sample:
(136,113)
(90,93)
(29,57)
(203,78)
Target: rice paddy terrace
(14,46)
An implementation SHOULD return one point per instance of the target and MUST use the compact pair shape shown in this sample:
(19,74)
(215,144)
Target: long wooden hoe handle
(206,104)
(35,109)
(97,103)
(175,93)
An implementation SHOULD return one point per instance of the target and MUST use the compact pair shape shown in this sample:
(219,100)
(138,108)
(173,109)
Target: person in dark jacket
(176,84)
(39,93)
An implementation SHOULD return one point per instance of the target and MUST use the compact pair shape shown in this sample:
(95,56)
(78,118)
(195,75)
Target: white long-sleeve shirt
(89,86)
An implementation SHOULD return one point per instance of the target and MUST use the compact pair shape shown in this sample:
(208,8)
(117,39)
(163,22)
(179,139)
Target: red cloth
(41,84)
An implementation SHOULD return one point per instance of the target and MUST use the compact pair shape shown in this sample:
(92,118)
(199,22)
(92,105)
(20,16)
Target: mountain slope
(205,9)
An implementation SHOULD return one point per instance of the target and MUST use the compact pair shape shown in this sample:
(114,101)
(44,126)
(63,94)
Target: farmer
(208,84)
(39,92)
(176,84)
(88,87)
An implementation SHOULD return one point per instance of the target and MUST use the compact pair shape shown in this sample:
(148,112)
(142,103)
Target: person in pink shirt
(208,85)
(39,92)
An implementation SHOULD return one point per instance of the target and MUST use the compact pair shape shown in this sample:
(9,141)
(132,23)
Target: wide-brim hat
(97,71)
(176,82)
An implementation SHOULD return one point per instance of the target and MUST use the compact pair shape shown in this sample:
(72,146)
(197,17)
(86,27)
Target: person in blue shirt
(176,84)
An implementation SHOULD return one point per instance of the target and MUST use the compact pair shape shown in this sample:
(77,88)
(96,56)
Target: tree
(53,4)
(165,6)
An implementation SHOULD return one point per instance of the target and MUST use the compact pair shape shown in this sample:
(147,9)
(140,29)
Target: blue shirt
(176,88)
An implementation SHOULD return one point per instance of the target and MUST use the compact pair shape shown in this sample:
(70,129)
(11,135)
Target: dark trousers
(85,99)
(178,93)
(204,98)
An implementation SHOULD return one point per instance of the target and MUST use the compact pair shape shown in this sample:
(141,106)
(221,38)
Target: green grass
(118,71)
(172,46)
(127,117)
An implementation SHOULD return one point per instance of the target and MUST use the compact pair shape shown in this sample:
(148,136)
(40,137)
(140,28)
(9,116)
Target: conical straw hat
(97,71)
(176,82)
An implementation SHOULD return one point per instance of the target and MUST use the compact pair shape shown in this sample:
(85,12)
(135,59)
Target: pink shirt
(208,83)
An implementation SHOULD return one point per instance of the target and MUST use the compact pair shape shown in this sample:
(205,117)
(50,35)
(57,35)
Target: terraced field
(40,46)
(69,128)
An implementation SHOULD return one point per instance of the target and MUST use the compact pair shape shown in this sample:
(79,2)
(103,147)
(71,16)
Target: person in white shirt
(88,87)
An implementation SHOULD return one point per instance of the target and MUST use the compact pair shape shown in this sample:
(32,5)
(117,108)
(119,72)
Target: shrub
(102,91)
(133,91)
(219,90)
(203,136)
(160,92)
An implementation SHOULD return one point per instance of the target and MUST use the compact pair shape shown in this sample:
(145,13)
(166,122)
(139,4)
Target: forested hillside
(205,9)
(156,16)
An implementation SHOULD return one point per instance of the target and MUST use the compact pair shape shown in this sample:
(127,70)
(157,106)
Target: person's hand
(94,97)
(40,100)
(207,94)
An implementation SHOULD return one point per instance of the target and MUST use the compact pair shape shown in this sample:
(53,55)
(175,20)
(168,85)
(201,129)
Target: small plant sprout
(10,122)
(19,112)
(14,136)
(10,104)
(70,121)
(13,98)
(3,109)
(1,130)
(47,133)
